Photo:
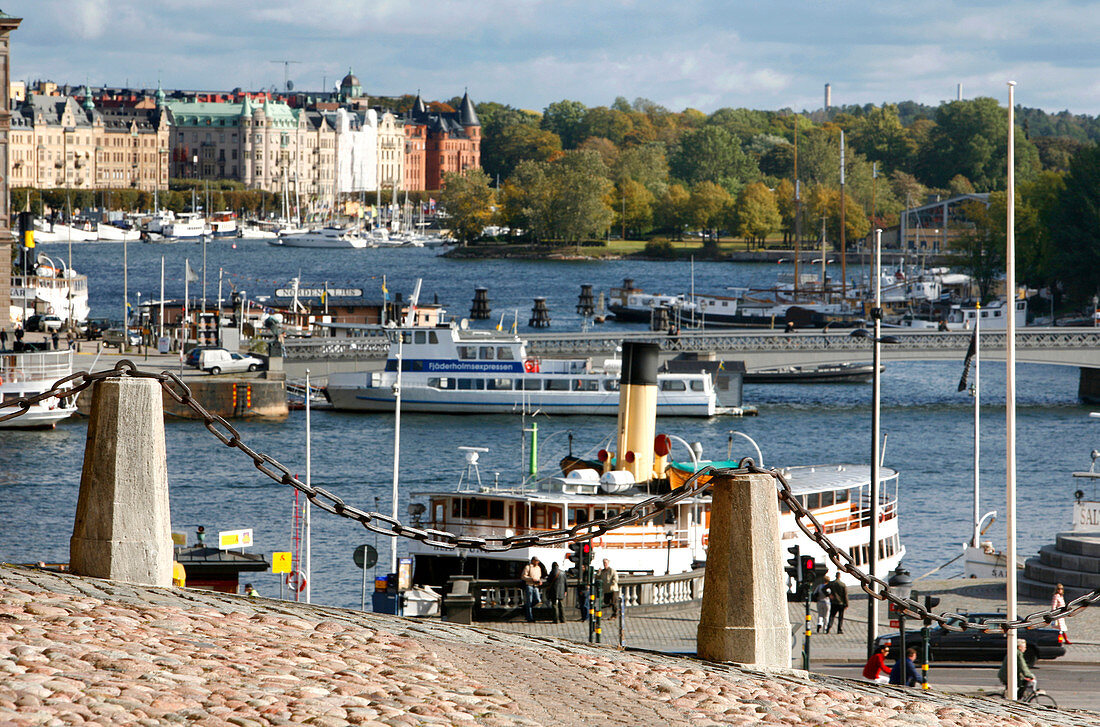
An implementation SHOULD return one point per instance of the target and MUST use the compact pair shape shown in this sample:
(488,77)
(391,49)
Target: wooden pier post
(744,612)
(122,529)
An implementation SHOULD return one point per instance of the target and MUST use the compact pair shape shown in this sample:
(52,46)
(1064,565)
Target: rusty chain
(228,435)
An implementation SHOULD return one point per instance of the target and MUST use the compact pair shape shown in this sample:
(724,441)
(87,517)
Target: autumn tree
(757,212)
(671,210)
(468,199)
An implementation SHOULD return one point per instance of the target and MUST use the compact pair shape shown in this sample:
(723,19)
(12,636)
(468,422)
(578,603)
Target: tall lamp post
(902,586)
(876,391)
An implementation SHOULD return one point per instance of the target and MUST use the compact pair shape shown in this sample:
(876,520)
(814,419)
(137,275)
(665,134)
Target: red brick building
(450,142)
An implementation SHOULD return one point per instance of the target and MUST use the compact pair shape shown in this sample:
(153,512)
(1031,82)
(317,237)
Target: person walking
(905,672)
(821,598)
(54,337)
(532,579)
(3,338)
(838,602)
(875,670)
(609,579)
(1058,600)
(1023,672)
(555,592)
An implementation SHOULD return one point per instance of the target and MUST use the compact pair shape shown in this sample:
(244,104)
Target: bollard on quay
(123,524)
(744,612)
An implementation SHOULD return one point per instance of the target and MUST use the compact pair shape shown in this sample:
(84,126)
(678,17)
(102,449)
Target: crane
(286,73)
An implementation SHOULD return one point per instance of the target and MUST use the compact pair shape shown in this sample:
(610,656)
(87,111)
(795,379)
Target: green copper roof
(187,113)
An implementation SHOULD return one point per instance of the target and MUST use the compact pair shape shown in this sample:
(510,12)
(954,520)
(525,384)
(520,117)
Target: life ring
(531,366)
(296,581)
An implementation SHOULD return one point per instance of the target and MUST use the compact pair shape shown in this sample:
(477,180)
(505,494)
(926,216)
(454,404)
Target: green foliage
(611,124)
(565,118)
(661,249)
(468,199)
(632,204)
(670,212)
(645,164)
(516,143)
(757,212)
(560,200)
(1075,227)
(712,154)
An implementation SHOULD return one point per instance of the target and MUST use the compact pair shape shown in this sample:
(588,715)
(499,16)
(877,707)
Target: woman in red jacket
(875,670)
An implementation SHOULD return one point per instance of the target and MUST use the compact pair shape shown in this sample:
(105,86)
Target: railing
(45,366)
(306,349)
(502,600)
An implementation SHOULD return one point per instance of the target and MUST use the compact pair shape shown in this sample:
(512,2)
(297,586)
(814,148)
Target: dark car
(95,328)
(976,645)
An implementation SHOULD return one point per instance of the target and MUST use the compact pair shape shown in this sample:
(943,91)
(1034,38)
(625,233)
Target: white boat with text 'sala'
(26,373)
(452,370)
(326,237)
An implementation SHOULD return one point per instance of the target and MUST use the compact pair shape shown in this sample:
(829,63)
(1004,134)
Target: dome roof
(350,81)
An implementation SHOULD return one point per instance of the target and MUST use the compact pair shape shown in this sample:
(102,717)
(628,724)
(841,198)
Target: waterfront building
(356,150)
(7,25)
(450,141)
(66,141)
(933,227)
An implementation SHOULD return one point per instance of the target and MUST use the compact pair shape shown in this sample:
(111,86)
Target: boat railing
(35,366)
(336,348)
(645,536)
(496,600)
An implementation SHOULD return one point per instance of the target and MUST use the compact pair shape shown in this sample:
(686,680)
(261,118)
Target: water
(927,423)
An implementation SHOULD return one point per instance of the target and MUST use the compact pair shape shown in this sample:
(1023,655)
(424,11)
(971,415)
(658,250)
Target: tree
(498,148)
(565,118)
(580,184)
(1035,204)
(468,199)
(646,164)
(670,213)
(784,199)
(712,154)
(757,212)
(980,251)
(824,202)
(516,143)
(1075,224)
(633,207)
(708,208)
(609,123)
(880,136)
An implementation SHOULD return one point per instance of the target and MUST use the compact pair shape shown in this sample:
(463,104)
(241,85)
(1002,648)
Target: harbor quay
(77,650)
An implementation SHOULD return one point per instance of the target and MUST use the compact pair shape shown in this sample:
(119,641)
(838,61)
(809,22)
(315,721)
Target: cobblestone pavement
(84,651)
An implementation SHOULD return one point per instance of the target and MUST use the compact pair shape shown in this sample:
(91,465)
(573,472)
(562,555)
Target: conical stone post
(744,612)
(122,529)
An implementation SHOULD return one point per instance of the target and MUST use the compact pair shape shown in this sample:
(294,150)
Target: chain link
(383,524)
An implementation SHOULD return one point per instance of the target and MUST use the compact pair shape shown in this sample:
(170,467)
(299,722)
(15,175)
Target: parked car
(43,323)
(113,337)
(219,360)
(192,357)
(976,645)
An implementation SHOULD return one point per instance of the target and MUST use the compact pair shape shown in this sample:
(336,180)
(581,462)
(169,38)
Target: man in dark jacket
(904,672)
(838,601)
(555,592)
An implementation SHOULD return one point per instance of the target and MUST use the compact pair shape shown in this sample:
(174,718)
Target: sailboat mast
(977,441)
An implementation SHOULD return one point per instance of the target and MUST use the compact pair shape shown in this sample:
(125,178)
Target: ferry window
(531,384)
(504,353)
(696,385)
(813,501)
(841,496)
(468,353)
(855,553)
(557,384)
(826,499)
(442,383)
(420,337)
(486,353)
(586,385)
(433,382)
(578,515)
(555,518)
(432,337)
(864,554)
(499,384)
(406,337)
(673,385)
(611,385)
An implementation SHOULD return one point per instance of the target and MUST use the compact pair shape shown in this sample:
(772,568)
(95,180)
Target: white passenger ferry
(452,370)
(29,373)
(52,289)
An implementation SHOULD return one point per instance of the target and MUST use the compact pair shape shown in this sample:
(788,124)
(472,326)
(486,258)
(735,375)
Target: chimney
(828,95)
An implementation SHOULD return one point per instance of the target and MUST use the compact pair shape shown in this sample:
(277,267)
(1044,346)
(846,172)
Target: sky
(759,54)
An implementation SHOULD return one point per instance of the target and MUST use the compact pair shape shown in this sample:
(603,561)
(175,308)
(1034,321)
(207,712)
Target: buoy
(531,366)
(296,581)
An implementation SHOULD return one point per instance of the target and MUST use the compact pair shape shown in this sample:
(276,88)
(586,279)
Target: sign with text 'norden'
(316,292)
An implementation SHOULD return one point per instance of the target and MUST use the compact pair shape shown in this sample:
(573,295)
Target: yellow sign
(234,539)
(280,562)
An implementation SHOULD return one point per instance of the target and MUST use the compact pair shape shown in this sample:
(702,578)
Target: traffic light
(793,564)
(806,569)
(820,568)
(580,554)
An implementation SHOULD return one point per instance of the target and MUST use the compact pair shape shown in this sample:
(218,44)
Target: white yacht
(185,225)
(962,317)
(29,373)
(223,224)
(326,237)
(452,370)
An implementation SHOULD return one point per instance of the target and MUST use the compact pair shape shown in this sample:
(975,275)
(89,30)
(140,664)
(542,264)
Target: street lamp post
(876,395)
(901,585)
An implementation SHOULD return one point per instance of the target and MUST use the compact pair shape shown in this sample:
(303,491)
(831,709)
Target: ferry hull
(428,401)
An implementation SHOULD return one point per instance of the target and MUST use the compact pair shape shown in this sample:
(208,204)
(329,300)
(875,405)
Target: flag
(385,293)
(970,353)
(192,276)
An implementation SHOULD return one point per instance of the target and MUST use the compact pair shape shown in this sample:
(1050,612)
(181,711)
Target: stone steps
(1073,561)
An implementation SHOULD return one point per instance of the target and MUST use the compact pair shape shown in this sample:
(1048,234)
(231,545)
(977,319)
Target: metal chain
(228,435)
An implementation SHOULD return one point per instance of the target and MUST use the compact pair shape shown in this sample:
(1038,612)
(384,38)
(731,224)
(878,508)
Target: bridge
(758,349)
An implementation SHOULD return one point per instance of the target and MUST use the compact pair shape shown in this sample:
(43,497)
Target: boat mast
(976,387)
(1010,402)
(308,559)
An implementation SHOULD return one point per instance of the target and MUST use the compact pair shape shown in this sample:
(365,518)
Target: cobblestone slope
(83,651)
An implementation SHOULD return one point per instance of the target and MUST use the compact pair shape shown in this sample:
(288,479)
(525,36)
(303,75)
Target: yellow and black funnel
(637,409)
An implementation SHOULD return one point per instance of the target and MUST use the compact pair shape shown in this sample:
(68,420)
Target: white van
(219,360)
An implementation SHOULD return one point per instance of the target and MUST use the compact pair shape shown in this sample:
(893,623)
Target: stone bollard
(744,612)
(122,530)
